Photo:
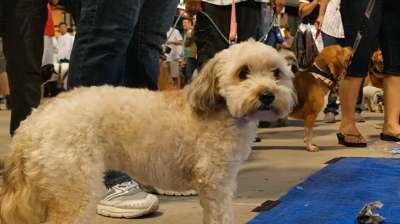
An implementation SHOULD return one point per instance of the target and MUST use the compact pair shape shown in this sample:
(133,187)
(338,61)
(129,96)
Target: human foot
(350,136)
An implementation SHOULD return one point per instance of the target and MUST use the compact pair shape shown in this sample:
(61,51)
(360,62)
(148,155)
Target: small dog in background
(373,93)
(194,138)
(314,84)
(375,72)
(373,99)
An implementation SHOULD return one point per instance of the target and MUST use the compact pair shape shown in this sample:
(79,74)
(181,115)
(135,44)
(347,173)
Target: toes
(312,148)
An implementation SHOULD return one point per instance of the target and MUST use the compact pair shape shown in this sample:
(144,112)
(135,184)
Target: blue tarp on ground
(335,194)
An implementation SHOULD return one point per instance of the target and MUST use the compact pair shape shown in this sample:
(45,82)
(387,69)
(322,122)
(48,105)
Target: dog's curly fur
(194,138)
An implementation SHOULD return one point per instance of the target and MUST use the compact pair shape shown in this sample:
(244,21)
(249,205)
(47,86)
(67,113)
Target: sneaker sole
(175,193)
(114,212)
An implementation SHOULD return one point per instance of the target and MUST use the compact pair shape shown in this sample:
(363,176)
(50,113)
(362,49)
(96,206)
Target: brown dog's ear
(203,91)
(337,67)
(339,62)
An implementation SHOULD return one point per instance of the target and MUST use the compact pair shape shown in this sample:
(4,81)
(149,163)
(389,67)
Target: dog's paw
(312,148)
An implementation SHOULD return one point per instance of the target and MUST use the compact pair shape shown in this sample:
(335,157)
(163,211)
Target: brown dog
(312,86)
(375,76)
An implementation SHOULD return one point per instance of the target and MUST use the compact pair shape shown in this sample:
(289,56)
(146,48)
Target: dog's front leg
(216,185)
(308,132)
(216,201)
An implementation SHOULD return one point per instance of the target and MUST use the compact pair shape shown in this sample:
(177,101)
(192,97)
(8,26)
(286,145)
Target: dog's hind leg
(75,203)
(308,132)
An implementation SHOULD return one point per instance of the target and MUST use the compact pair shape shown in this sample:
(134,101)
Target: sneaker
(359,117)
(283,122)
(329,118)
(127,200)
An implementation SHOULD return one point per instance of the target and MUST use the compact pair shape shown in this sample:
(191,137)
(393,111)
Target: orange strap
(233,29)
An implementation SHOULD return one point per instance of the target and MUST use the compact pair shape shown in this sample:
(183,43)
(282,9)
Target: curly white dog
(195,138)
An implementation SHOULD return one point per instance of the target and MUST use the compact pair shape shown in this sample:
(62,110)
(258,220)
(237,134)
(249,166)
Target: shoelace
(129,184)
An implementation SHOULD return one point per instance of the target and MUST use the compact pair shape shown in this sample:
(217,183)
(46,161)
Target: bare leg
(391,89)
(348,93)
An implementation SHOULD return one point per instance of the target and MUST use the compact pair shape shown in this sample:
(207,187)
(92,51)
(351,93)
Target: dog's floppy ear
(203,91)
(339,62)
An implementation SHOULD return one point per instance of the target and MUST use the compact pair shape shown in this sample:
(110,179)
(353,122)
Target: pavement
(275,165)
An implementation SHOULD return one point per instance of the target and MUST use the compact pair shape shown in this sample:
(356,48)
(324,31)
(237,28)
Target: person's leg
(208,40)
(143,56)
(348,93)
(104,31)
(331,109)
(266,20)
(358,68)
(191,64)
(390,44)
(248,12)
(23,48)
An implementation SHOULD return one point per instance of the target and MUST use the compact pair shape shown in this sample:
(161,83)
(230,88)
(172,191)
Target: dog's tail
(19,198)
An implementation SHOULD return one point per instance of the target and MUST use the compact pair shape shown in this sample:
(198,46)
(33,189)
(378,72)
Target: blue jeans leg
(143,56)
(105,29)
(191,65)
(115,46)
(332,106)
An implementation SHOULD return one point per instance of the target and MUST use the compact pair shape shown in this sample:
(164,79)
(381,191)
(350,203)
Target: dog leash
(228,40)
(233,35)
(174,27)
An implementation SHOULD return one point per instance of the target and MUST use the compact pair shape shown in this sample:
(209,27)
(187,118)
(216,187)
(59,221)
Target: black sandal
(342,140)
(390,138)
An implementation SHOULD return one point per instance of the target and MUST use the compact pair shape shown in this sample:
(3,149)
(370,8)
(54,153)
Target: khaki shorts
(173,68)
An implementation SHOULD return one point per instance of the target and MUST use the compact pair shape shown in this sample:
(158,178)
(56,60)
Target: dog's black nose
(266,98)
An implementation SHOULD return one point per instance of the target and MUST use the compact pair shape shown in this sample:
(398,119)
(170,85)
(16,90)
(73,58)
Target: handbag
(304,48)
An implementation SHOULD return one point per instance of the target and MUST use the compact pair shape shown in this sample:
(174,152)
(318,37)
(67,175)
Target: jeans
(23,49)
(191,64)
(119,42)
(266,21)
(332,106)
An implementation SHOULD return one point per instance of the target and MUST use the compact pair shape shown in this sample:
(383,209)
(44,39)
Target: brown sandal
(342,140)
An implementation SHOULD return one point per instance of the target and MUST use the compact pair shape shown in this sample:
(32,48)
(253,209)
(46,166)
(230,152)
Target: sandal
(390,138)
(342,140)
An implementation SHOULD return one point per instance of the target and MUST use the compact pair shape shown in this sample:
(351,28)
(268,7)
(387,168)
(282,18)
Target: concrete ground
(276,164)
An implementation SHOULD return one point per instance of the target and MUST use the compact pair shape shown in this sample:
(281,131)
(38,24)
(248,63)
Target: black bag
(304,48)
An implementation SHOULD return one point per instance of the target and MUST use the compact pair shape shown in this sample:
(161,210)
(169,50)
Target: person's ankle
(391,129)
(347,125)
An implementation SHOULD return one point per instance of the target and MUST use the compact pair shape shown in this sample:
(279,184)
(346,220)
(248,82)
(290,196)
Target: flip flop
(342,140)
(390,138)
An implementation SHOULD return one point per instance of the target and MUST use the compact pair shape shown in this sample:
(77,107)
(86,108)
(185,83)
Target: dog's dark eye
(244,72)
(277,74)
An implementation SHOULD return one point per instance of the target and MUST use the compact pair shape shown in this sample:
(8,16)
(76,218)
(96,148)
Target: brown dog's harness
(326,77)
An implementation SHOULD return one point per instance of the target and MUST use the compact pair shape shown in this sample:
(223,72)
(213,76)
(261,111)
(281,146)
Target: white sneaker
(329,118)
(127,200)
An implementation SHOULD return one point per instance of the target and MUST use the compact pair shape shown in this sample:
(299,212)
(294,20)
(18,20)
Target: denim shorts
(381,31)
